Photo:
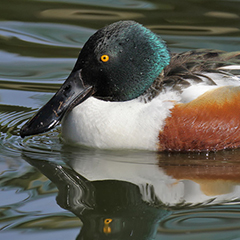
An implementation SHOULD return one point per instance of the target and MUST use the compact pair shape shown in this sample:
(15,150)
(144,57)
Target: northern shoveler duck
(127,90)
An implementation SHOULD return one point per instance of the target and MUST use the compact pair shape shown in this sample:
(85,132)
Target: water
(105,194)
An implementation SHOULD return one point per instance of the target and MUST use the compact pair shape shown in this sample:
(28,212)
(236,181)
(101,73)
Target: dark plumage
(192,66)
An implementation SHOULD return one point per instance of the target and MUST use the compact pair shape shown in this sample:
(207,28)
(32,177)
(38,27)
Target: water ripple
(10,141)
(50,34)
(89,14)
(194,220)
(132,4)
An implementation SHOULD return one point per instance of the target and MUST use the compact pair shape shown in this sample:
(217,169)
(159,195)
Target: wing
(199,69)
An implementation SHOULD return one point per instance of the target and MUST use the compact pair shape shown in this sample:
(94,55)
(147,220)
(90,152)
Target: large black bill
(72,92)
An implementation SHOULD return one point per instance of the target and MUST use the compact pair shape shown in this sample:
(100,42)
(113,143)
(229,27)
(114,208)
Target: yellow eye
(104,58)
(107,220)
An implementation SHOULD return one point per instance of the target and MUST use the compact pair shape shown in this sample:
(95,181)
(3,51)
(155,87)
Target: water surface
(105,194)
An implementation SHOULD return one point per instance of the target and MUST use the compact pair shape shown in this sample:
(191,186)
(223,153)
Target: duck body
(131,93)
(185,111)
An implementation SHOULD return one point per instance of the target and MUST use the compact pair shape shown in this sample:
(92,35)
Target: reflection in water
(214,178)
(107,208)
(124,198)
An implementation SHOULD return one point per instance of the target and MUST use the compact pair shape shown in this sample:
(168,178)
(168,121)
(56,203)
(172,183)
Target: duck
(128,91)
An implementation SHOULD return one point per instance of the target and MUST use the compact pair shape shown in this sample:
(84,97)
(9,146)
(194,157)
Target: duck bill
(72,92)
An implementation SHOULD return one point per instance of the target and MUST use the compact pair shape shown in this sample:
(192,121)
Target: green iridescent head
(122,60)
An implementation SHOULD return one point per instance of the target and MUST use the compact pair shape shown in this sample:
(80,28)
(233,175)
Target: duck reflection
(126,195)
(108,208)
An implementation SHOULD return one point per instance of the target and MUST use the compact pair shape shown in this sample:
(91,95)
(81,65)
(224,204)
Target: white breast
(118,125)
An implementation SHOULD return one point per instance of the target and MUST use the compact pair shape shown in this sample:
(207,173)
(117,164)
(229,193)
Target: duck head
(117,63)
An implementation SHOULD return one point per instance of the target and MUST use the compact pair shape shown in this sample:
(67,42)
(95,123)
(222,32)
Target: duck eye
(104,58)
